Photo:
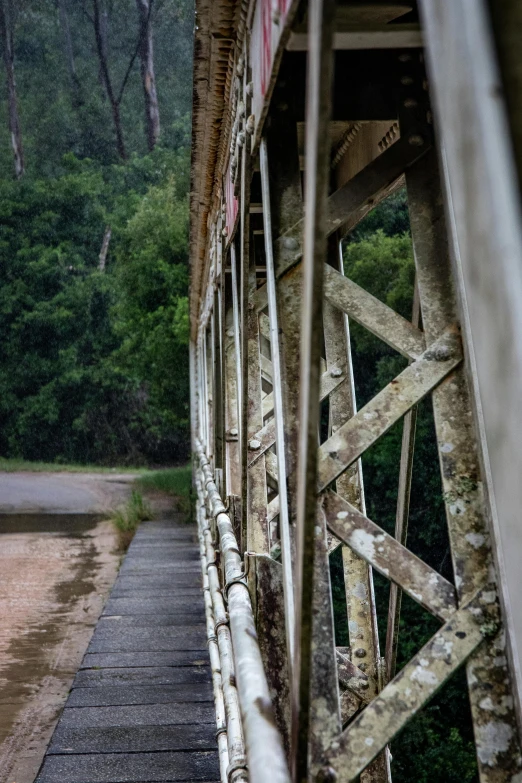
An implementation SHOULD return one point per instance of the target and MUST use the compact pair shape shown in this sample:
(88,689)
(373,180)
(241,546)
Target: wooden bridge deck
(141,707)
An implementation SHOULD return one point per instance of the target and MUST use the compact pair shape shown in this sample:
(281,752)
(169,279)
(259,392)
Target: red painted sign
(269,22)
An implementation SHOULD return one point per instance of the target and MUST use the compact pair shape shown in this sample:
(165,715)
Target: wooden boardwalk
(141,707)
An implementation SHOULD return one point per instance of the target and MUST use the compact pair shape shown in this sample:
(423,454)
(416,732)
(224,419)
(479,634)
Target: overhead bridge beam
(394,37)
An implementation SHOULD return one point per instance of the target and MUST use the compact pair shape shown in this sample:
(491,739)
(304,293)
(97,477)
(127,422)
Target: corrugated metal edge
(216,25)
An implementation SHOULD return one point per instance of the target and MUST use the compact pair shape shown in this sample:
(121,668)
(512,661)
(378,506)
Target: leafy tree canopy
(95,355)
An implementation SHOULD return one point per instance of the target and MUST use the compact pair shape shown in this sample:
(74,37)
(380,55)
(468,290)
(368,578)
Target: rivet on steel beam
(250,124)
(224,232)
(327,775)
(404,58)
(240,66)
(442,353)
(230,333)
(415,140)
(360,653)
(233,431)
(289,243)
(406,80)
(409,103)
(254,445)
(250,89)
(336,372)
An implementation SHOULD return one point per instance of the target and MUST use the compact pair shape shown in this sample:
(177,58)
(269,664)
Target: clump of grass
(173,481)
(127,518)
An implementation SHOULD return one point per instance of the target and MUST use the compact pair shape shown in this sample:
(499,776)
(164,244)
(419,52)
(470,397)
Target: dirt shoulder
(58,564)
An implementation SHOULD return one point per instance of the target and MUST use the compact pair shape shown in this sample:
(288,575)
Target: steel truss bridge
(306,116)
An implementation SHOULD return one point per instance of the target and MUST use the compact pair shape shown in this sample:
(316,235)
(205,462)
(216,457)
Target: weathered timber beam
(404,37)
(388,406)
(412,688)
(354,196)
(373,314)
(389,557)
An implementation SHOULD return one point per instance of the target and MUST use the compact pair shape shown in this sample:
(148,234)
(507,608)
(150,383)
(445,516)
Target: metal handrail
(237,642)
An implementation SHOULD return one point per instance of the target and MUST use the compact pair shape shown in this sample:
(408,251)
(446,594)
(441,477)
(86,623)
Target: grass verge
(21,466)
(127,518)
(176,482)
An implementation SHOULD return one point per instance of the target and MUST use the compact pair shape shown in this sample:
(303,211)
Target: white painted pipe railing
(240,657)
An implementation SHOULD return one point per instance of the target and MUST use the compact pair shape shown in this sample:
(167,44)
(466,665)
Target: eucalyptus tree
(152,116)
(7,22)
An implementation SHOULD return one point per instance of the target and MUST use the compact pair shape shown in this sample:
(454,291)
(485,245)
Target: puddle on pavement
(57,571)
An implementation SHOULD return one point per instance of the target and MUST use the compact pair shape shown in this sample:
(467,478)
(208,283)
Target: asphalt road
(62,493)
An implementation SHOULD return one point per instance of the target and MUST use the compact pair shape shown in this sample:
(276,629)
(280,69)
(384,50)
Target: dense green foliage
(438,743)
(95,361)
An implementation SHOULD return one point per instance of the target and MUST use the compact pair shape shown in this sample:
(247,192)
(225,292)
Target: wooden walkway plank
(141,708)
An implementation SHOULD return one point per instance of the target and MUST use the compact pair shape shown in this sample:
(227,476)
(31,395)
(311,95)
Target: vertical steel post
(316,718)
(358,579)
(401,517)
(284,524)
(237,345)
(483,198)
(488,676)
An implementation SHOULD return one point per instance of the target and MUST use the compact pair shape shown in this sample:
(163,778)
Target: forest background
(94,176)
(94,172)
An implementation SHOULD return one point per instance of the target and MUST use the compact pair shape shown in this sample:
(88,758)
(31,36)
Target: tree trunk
(104,35)
(6,32)
(101,49)
(152,117)
(69,52)
(104,248)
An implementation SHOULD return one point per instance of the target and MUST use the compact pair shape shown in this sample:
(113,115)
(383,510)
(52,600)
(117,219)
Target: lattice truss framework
(248,364)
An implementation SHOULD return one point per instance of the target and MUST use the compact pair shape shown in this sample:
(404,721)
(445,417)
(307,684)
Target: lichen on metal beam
(413,687)
(373,314)
(388,406)
(389,557)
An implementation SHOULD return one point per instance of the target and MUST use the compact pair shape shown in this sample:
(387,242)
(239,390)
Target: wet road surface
(62,493)
(56,572)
